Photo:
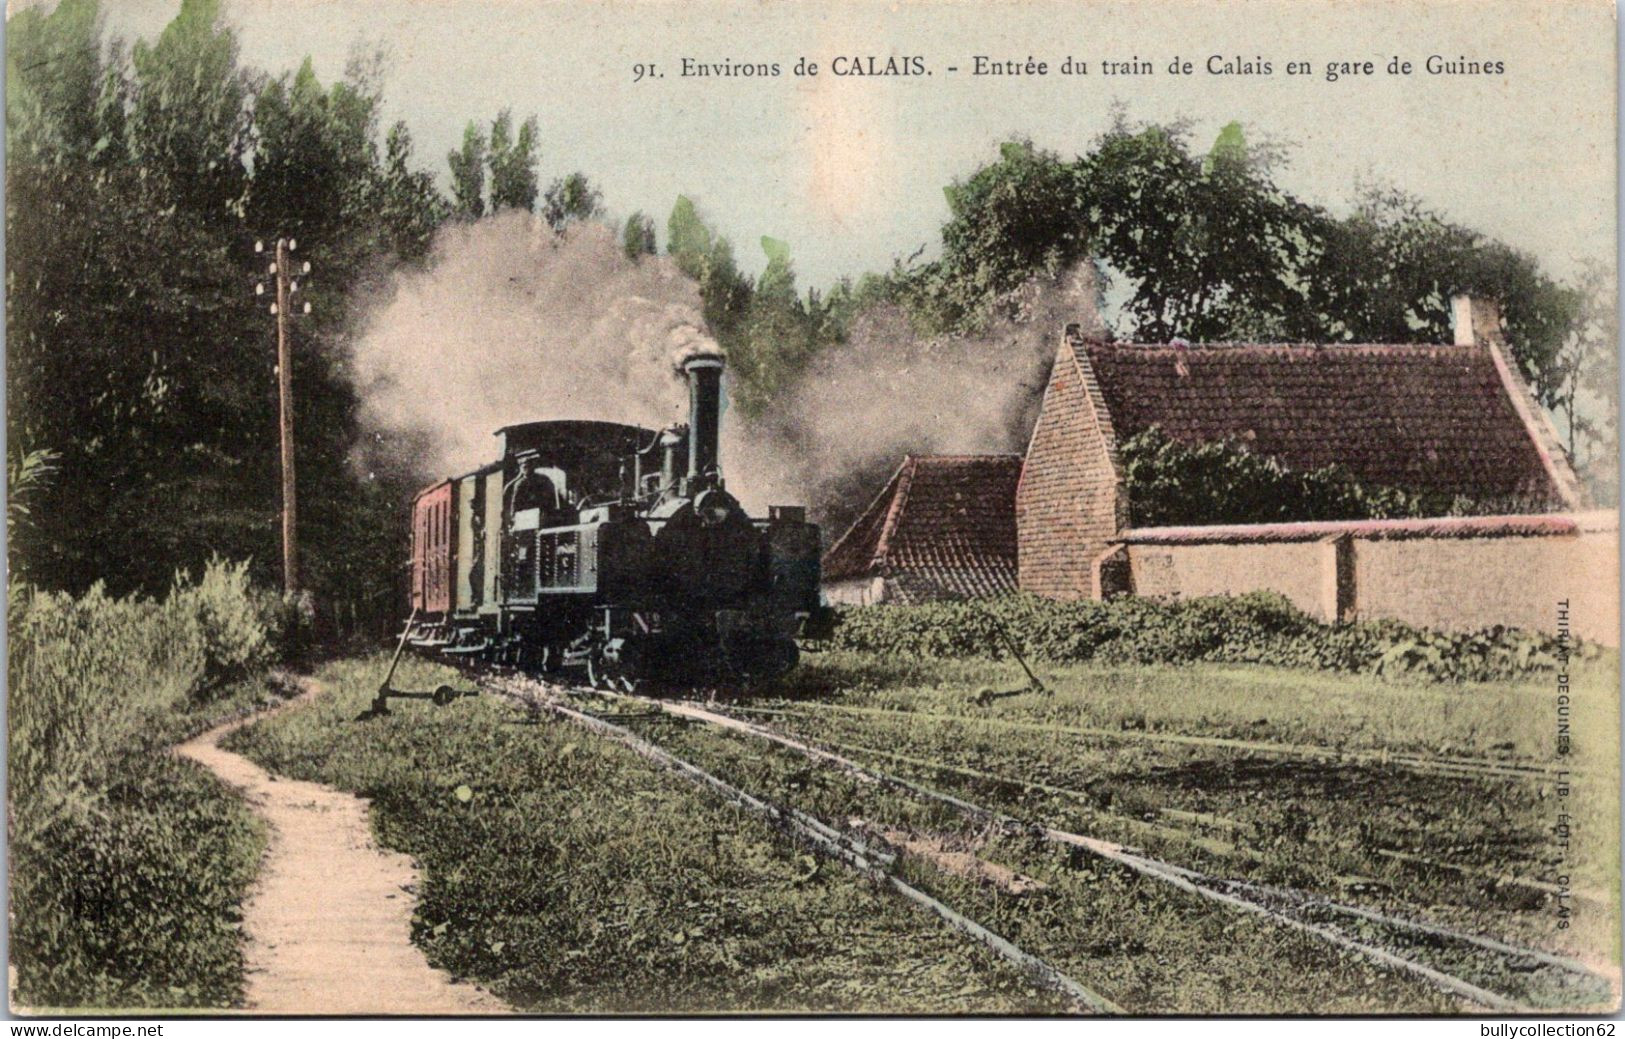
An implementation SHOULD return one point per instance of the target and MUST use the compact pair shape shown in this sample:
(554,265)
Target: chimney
(1476,320)
(704,371)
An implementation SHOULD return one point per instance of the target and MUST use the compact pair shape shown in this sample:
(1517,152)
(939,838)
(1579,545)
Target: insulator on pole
(259,290)
(293,243)
(273,268)
(307,308)
(273,308)
(259,246)
(306,269)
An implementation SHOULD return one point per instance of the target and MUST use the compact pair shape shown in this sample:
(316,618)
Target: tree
(776,338)
(708,258)
(188,117)
(638,236)
(409,204)
(1387,272)
(1011,220)
(513,164)
(1207,248)
(137,356)
(314,158)
(468,174)
(570,199)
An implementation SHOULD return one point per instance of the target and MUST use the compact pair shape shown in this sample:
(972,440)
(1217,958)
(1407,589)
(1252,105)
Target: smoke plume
(512,323)
(888,391)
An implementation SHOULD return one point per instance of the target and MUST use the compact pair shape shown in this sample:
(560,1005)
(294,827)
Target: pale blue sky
(848,170)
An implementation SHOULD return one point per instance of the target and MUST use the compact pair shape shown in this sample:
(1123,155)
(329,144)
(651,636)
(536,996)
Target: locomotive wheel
(610,676)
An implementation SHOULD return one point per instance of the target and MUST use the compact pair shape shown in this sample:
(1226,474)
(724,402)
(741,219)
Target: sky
(848,170)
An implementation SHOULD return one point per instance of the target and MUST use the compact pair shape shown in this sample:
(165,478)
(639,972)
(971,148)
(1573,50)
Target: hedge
(1257,628)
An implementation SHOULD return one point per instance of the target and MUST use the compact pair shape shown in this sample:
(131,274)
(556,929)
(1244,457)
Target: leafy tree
(638,236)
(570,199)
(1585,385)
(1011,220)
(779,334)
(314,157)
(188,116)
(708,259)
(468,174)
(54,84)
(1386,274)
(512,161)
(1207,247)
(409,204)
(137,355)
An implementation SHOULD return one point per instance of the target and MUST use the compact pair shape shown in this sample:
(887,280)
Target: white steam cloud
(888,392)
(511,323)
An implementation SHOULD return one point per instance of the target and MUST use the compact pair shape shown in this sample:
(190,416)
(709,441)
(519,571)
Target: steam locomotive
(615,551)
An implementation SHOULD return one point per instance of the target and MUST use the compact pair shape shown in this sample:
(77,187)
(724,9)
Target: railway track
(1436,764)
(843,846)
(1425,951)
(1191,835)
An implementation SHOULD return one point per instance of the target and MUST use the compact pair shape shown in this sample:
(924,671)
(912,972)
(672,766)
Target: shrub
(120,855)
(230,622)
(1172,483)
(1257,628)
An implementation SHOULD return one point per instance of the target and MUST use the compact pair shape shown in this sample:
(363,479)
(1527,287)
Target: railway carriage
(617,551)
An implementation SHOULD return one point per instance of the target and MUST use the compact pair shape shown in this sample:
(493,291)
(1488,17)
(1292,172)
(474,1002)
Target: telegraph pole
(286,286)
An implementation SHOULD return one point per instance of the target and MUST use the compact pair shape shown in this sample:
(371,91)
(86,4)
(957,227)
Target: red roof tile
(943,527)
(1445,419)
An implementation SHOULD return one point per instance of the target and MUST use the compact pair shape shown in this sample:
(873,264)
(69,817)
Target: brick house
(1453,419)
(943,527)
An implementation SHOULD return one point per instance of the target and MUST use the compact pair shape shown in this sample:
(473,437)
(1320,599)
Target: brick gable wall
(1068,502)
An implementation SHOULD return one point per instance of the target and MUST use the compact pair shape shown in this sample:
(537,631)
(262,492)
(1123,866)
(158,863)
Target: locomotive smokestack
(704,371)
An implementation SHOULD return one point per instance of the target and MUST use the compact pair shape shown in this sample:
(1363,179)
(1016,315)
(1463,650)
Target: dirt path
(328,922)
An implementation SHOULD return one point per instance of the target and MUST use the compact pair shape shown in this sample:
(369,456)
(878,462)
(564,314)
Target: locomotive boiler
(615,552)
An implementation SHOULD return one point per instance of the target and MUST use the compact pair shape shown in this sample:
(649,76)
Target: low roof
(1454,420)
(943,526)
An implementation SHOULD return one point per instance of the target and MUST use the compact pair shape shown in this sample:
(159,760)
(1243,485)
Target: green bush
(1257,628)
(120,855)
(233,623)
(1171,483)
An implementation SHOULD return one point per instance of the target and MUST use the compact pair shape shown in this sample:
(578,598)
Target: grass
(127,865)
(133,898)
(1239,701)
(568,875)
(1316,824)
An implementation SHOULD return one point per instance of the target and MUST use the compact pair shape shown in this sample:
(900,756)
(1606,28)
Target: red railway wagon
(432,550)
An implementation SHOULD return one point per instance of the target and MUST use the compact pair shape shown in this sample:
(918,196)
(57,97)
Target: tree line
(142,406)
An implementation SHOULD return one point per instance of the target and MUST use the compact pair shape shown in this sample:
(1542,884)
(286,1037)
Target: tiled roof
(1446,419)
(943,527)
(1545,525)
